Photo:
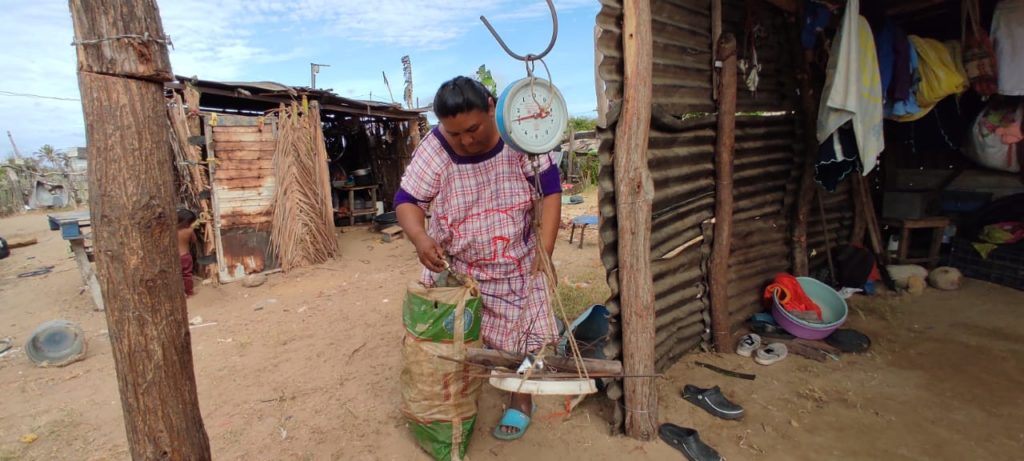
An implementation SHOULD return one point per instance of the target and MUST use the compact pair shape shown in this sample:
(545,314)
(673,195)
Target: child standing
(186,235)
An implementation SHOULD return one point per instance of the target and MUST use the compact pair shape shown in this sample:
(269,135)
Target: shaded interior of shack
(929,167)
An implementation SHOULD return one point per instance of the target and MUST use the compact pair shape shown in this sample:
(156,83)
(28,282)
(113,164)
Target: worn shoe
(712,401)
(688,442)
(771,354)
(748,344)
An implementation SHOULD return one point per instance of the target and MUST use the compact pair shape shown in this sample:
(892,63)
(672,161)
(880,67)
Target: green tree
(483,75)
(48,155)
(582,123)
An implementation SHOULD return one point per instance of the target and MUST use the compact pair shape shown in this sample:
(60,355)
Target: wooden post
(716,35)
(726,140)
(122,65)
(88,274)
(824,229)
(859,223)
(805,194)
(634,192)
(863,188)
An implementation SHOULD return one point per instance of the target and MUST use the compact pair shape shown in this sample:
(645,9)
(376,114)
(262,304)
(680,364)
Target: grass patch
(578,296)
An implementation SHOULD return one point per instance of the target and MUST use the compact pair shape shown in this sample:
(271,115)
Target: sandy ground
(306,366)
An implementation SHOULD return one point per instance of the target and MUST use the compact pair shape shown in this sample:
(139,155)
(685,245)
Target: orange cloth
(791,295)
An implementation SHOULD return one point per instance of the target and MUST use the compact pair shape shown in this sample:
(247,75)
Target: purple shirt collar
(466,160)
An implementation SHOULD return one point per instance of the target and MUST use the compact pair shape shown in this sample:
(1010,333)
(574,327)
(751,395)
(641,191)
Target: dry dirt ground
(306,367)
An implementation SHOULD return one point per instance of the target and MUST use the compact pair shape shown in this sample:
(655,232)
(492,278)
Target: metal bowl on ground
(833,311)
(56,343)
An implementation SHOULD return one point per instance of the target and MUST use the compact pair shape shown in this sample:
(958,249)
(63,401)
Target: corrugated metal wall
(767,164)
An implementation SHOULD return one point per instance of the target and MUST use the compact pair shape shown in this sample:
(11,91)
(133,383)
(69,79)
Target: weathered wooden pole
(122,65)
(724,147)
(634,192)
(809,116)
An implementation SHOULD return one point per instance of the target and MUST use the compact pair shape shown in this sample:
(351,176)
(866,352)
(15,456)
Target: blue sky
(275,40)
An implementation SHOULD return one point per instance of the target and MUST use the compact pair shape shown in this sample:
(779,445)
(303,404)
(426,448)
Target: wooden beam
(512,360)
(396,114)
(716,34)
(789,6)
(809,116)
(724,147)
(910,7)
(12,244)
(634,192)
(120,78)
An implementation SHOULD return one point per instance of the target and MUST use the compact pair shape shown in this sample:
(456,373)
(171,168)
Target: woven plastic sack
(985,146)
(439,397)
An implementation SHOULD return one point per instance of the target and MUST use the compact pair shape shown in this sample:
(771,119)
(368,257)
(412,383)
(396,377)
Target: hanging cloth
(884,49)
(748,65)
(853,88)
(979,57)
(906,105)
(903,66)
(837,158)
(940,75)
(816,18)
(1008,34)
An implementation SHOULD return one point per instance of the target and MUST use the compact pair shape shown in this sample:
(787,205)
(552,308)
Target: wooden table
(352,211)
(70,226)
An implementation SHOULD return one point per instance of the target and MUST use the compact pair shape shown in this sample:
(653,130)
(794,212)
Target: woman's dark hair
(459,95)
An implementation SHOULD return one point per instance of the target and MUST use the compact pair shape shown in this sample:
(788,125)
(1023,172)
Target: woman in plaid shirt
(480,194)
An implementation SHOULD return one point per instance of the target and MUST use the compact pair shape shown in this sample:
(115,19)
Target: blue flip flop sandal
(513,418)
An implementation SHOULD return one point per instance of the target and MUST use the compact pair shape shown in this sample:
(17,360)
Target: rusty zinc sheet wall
(242,179)
(839,222)
(680,157)
(765,175)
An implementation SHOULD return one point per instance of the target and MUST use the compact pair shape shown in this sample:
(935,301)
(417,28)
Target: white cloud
(38,59)
(215,40)
(224,40)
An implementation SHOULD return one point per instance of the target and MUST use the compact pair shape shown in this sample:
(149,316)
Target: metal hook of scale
(528,57)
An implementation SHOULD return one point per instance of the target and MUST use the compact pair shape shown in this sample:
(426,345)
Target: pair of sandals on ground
(687,440)
(750,345)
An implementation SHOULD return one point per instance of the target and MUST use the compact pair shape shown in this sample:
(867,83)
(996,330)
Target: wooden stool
(582,222)
(938,226)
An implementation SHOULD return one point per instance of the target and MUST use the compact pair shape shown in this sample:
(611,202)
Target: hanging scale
(531,112)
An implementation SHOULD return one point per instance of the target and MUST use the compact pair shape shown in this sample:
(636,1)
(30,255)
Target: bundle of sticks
(192,174)
(302,231)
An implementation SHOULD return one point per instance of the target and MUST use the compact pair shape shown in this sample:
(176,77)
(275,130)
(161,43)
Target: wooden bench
(582,222)
(936,224)
(71,227)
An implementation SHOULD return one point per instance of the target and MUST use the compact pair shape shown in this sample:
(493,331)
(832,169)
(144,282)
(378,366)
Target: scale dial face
(532,120)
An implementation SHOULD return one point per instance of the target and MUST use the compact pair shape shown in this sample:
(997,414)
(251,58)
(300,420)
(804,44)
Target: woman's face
(471,133)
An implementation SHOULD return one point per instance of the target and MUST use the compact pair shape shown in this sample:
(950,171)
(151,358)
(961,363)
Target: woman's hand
(430,253)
